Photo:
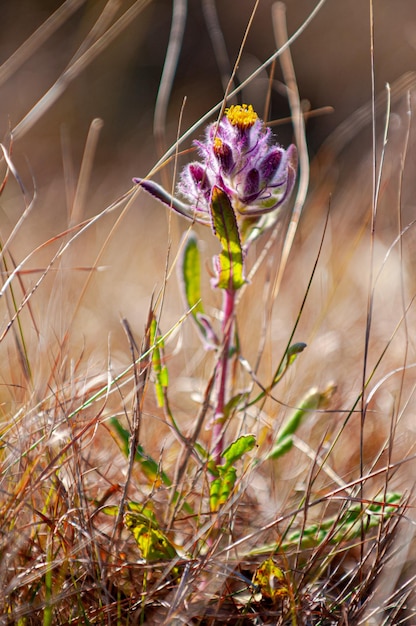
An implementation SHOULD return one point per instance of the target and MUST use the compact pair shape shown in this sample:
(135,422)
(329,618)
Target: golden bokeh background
(77,313)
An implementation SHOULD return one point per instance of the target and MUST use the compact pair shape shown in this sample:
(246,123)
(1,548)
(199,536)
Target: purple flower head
(238,156)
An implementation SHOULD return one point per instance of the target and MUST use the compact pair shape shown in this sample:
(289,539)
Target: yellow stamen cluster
(217,145)
(242,115)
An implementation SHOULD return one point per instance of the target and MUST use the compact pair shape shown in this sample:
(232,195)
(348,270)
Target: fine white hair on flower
(240,156)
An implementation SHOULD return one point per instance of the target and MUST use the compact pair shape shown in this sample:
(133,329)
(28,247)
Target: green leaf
(110,509)
(214,494)
(140,519)
(270,580)
(190,275)
(349,525)
(190,281)
(201,450)
(341,527)
(226,475)
(151,469)
(234,402)
(228,483)
(172,202)
(237,448)
(161,374)
(313,401)
(145,510)
(164,376)
(367,515)
(230,260)
(149,466)
(309,403)
(222,487)
(151,541)
(281,447)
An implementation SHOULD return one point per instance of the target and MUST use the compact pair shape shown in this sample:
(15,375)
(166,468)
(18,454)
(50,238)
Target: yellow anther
(217,144)
(242,116)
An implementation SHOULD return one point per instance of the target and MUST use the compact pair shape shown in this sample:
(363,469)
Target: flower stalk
(222,375)
(239,188)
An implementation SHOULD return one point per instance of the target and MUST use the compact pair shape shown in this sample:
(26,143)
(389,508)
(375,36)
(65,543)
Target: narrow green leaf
(201,450)
(151,469)
(349,525)
(309,403)
(164,377)
(172,202)
(153,334)
(149,466)
(214,494)
(190,282)
(234,402)
(160,395)
(367,516)
(123,434)
(227,485)
(339,528)
(237,448)
(230,260)
(313,401)
(151,541)
(222,487)
(110,509)
(190,275)
(281,447)
(160,370)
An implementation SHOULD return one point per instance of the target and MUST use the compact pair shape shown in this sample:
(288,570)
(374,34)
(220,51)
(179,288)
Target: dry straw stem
(85,171)
(39,37)
(101,35)
(279,23)
(215,109)
(179,13)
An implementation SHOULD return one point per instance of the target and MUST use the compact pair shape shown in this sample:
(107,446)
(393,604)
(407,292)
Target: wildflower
(239,157)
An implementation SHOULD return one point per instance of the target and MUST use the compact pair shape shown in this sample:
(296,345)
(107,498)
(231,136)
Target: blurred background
(115,51)
(331,58)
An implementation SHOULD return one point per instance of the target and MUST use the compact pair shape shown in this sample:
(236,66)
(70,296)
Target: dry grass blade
(169,68)
(78,64)
(35,41)
(279,22)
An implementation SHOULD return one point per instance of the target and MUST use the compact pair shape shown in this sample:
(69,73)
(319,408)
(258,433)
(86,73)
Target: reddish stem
(227,325)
